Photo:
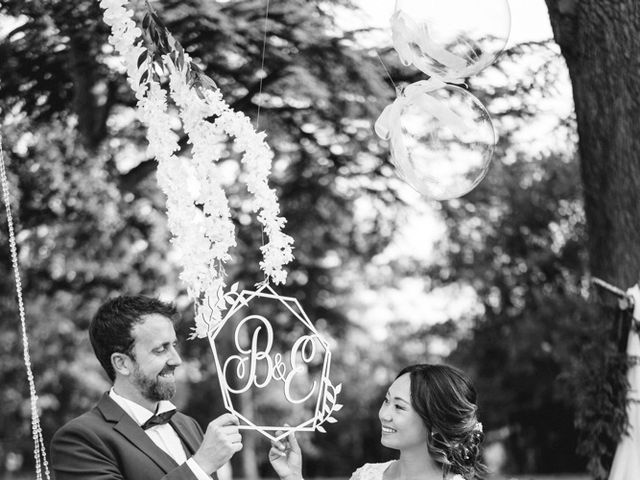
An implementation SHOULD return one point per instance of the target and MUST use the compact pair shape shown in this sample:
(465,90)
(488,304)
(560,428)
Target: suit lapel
(187,433)
(190,434)
(131,431)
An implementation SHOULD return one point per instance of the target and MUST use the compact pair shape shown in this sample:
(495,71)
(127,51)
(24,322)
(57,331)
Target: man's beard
(153,388)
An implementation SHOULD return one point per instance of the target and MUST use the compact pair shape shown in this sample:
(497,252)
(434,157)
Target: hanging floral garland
(198,211)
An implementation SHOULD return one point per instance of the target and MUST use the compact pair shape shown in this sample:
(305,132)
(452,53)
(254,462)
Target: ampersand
(248,359)
(279,368)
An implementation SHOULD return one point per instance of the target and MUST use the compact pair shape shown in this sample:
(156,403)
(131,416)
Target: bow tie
(158,419)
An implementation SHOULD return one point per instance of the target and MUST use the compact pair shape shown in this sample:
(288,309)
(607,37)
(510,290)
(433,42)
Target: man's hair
(110,328)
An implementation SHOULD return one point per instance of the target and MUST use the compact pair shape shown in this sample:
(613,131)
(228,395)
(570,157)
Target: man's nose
(175,359)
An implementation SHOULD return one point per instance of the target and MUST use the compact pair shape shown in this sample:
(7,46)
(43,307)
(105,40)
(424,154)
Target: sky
(529,18)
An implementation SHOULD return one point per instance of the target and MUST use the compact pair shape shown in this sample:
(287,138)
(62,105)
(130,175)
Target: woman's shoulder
(371,471)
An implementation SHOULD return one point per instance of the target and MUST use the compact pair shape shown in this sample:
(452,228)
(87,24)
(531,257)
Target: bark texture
(600,40)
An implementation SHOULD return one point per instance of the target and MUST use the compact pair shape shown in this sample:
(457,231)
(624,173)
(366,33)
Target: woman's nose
(383,414)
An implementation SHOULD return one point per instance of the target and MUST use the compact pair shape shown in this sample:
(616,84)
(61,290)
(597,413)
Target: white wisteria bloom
(197,208)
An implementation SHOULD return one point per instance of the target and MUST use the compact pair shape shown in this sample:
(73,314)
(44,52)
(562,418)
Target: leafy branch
(330,405)
(222,302)
(161,43)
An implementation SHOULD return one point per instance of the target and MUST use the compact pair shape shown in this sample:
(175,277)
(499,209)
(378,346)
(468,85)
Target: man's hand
(221,441)
(286,458)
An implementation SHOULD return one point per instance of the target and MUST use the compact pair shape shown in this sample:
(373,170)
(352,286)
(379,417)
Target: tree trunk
(600,41)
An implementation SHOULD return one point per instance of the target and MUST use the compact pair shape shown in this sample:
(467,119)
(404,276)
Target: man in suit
(134,432)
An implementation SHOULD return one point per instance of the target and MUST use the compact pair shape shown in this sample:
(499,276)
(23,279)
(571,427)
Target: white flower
(197,208)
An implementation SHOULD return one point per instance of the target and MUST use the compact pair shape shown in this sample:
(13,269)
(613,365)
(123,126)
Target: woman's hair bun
(464,456)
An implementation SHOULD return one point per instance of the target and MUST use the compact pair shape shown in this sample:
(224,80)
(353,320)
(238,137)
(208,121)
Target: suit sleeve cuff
(197,470)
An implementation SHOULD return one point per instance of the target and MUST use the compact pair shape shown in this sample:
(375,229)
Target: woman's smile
(388,430)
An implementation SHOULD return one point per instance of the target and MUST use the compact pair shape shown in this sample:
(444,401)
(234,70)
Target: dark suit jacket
(107,444)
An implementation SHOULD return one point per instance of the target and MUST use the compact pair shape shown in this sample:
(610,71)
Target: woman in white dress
(429,415)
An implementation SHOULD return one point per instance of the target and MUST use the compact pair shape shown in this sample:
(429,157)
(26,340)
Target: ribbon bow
(388,125)
(634,293)
(412,42)
(415,47)
(158,419)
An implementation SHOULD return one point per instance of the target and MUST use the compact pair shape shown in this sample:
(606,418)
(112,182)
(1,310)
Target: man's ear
(121,363)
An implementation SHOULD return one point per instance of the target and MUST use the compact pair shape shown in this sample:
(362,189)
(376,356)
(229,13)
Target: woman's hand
(286,458)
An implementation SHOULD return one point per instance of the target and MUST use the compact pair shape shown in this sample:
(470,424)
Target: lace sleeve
(370,471)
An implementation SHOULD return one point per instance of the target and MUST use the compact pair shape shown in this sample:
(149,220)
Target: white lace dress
(375,471)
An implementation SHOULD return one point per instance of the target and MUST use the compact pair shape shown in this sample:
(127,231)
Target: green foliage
(599,383)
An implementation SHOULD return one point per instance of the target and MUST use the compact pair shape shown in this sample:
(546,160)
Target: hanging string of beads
(39,450)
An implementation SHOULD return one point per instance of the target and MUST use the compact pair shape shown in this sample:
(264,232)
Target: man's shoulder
(90,421)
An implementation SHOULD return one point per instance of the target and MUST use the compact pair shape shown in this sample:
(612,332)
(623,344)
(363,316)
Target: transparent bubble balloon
(442,140)
(450,39)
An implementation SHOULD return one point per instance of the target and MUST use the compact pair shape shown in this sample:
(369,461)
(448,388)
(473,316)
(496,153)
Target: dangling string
(262,75)
(39,450)
(387,72)
(262,72)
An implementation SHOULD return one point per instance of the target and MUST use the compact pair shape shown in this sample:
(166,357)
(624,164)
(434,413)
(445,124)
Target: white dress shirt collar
(164,436)
(139,413)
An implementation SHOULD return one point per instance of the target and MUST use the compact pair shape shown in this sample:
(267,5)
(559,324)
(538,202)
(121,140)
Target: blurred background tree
(513,255)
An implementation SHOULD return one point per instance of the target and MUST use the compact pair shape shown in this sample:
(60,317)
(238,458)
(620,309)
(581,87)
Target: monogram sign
(249,359)
(272,364)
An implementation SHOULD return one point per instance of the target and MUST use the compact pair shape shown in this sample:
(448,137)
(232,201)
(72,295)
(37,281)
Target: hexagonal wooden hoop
(243,299)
